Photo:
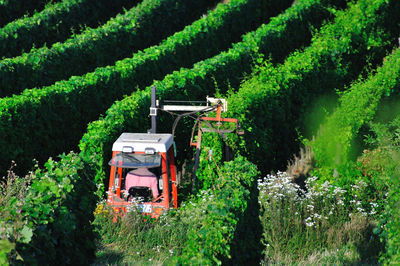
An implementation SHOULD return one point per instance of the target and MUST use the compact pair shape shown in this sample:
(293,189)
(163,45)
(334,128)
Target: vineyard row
(119,38)
(56,23)
(13,9)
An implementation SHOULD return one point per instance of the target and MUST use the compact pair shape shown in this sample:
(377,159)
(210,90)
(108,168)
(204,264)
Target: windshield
(136,160)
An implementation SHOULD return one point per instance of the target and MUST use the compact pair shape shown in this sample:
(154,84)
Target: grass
(320,224)
(111,254)
(137,239)
(345,255)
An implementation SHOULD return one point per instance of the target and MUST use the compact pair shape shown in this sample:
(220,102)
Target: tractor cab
(143,174)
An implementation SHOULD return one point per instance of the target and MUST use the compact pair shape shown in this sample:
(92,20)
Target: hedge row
(56,23)
(226,69)
(243,246)
(272,104)
(56,210)
(57,116)
(210,242)
(359,106)
(13,9)
(119,38)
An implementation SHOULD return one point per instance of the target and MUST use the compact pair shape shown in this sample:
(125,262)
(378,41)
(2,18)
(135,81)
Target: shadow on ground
(246,248)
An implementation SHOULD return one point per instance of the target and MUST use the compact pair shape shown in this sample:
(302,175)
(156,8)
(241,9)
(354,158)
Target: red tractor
(143,172)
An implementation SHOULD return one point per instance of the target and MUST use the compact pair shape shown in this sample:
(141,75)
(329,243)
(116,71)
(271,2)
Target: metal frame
(204,120)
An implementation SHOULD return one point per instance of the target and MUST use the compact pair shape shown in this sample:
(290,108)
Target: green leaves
(27,234)
(5,248)
(55,211)
(13,9)
(225,206)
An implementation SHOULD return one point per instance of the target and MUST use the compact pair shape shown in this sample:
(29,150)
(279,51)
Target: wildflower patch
(314,218)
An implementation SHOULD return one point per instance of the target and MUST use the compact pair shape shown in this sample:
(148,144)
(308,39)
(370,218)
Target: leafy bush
(13,9)
(13,226)
(271,103)
(51,221)
(56,23)
(49,113)
(245,244)
(392,231)
(119,38)
(381,163)
(209,242)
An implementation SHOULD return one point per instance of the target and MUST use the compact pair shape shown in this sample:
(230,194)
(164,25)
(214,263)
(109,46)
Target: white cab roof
(140,141)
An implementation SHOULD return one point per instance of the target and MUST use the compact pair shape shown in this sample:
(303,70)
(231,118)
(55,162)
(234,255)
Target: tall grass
(137,239)
(297,222)
(140,240)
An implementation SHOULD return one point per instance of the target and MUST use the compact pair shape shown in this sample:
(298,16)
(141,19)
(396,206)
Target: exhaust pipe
(153,111)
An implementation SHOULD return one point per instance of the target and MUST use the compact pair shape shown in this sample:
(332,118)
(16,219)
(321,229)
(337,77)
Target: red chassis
(118,197)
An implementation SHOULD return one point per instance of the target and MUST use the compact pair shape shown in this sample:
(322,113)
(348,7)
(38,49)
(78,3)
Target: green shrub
(381,163)
(392,238)
(270,105)
(56,23)
(49,113)
(119,38)
(209,242)
(245,242)
(392,230)
(13,9)
(54,214)
(13,225)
